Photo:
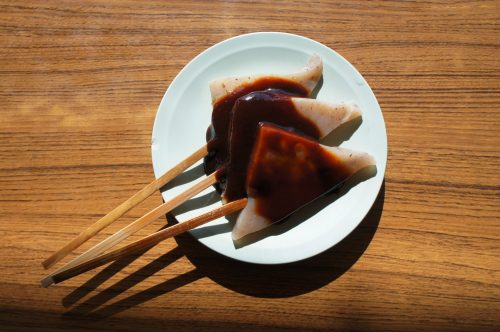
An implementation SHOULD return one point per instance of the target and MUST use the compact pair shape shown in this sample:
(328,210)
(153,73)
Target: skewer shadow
(211,230)
(100,278)
(94,305)
(187,176)
(197,203)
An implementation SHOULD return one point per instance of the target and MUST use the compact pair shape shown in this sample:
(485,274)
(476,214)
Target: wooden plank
(80,85)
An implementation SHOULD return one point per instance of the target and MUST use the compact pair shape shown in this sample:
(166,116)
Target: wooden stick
(124,207)
(138,224)
(148,241)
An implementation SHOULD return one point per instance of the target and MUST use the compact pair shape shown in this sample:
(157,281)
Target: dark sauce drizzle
(218,132)
(288,170)
(273,106)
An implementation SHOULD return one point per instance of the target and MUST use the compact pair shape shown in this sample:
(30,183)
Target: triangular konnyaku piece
(288,171)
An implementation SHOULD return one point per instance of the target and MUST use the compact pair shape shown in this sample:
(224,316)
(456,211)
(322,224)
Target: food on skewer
(226,91)
(288,171)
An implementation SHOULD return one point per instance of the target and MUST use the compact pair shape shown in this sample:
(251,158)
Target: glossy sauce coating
(274,106)
(288,170)
(218,132)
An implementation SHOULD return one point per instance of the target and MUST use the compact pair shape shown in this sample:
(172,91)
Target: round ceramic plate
(184,115)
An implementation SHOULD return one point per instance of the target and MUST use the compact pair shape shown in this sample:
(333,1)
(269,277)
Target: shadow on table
(267,281)
(285,280)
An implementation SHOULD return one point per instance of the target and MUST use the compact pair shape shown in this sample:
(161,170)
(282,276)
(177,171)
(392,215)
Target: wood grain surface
(80,85)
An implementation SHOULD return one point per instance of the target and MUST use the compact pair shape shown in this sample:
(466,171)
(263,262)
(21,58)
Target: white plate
(185,113)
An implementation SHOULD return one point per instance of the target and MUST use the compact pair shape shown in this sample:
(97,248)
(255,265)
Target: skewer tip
(46,264)
(47,281)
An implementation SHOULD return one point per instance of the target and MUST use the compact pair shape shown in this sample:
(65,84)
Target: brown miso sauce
(218,132)
(272,106)
(288,170)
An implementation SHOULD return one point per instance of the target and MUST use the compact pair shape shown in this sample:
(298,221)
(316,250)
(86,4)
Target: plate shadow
(285,280)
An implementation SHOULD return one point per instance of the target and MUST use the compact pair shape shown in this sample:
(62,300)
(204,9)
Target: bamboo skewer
(148,241)
(124,207)
(136,225)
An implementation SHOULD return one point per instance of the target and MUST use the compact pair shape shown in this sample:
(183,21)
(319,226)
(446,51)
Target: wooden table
(80,85)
